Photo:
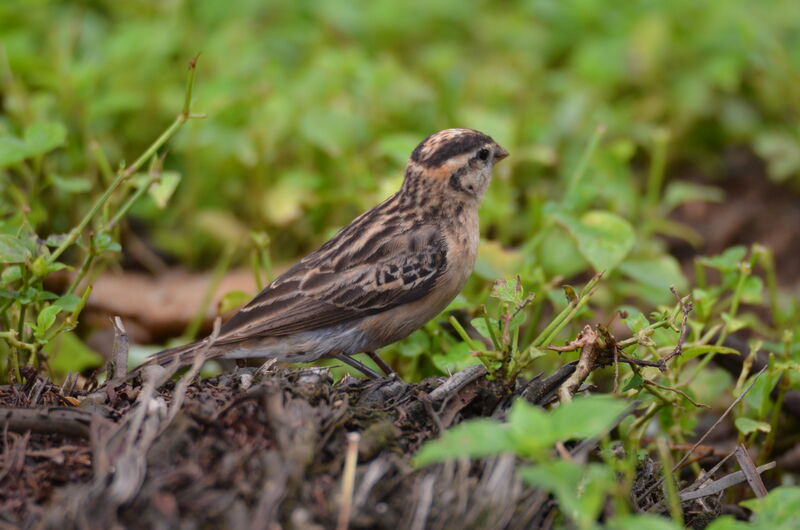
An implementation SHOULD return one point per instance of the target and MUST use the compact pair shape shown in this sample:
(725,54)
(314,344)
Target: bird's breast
(462,236)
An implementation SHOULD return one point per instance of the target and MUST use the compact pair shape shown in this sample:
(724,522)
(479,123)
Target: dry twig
(750,471)
(705,435)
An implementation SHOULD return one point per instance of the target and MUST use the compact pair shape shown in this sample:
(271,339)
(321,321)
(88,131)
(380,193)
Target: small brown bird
(379,278)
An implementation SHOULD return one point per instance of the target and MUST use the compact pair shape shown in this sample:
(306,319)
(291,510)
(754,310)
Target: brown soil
(755,210)
(245,451)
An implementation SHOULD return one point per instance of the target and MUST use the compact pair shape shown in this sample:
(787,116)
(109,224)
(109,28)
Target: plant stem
(219,272)
(489,327)
(463,334)
(745,268)
(85,266)
(577,176)
(567,314)
(767,261)
(123,210)
(655,177)
(671,489)
(126,173)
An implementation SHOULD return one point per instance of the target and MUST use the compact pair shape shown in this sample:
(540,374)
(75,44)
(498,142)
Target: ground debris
(250,449)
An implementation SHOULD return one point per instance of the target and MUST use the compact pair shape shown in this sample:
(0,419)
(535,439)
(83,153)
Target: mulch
(259,450)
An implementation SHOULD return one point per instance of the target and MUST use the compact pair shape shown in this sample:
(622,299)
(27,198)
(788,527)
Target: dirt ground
(252,450)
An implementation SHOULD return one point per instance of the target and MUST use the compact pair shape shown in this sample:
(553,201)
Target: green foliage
(30,261)
(580,489)
(530,431)
(642,522)
(603,238)
(780,509)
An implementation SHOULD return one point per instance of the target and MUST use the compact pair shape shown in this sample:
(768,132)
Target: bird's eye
(483,154)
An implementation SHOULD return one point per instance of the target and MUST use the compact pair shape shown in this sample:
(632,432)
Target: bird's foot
(383,365)
(364,369)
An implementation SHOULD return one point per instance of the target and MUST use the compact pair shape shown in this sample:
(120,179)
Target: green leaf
(11,273)
(642,522)
(634,382)
(495,261)
(480,325)
(695,351)
(70,185)
(603,238)
(753,290)
(233,300)
(759,397)
(475,438)
(58,266)
(45,319)
(703,302)
(779,509)
(418,343)
(636,321)
(12,150)
(67,352)
(586,416)
(748,425)
(733,324)
(162,190)
(104,242)
(283,202)
(580,489)
(782,153)
(456,358)
(531,429)
(681,191)
(662,273)
(558,253)
(397,146)
(55,240)
(509,291)
(728,522)
(12,250)
(728,261)
(42,137)
(68,302)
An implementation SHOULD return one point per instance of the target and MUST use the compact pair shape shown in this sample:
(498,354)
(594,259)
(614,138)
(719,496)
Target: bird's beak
(499,153)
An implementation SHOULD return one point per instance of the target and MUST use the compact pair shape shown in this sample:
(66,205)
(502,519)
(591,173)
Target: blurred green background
(313,107)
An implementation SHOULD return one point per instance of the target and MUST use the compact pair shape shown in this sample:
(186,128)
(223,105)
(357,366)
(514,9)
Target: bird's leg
(381,363)
(366,370)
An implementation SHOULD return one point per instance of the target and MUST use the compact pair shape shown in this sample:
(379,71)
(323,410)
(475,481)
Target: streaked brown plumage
(382,276)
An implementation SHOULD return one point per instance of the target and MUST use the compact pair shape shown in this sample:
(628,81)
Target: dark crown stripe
(456,145)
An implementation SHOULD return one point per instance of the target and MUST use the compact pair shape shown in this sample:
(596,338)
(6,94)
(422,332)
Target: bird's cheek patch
(443,171)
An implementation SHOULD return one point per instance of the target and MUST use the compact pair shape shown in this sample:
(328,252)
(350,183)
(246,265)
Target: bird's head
(458,162)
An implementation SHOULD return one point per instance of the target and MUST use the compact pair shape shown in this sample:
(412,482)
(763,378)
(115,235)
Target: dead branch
(677,391)
(67,421)
(588,361)
(750,472)
(708,431)
(119,352)
(724,483)
(686,308)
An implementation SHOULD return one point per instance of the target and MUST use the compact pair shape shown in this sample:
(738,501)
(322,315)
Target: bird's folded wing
(320,293)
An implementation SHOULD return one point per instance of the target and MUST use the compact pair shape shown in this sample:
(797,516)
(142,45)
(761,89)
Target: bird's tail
(174,357)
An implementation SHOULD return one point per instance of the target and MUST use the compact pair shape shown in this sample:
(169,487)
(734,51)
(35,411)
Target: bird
(378,279)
